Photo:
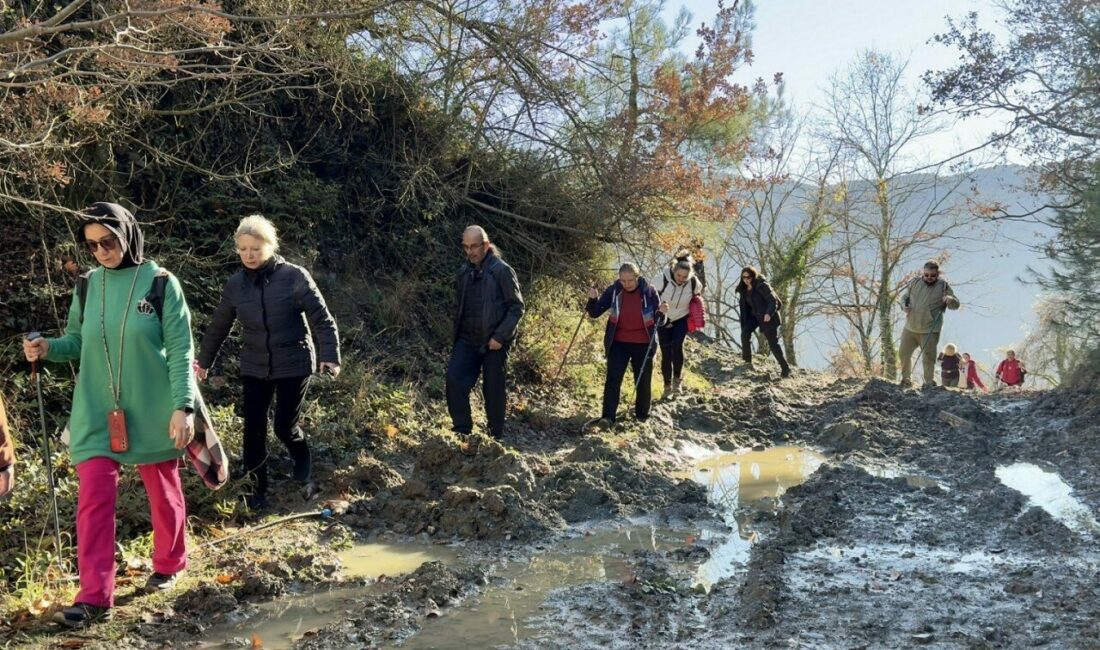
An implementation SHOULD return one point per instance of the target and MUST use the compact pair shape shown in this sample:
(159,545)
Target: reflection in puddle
(377,560)
(912,480)
(754,479)
(499,614)
(278,624)
(1048,491)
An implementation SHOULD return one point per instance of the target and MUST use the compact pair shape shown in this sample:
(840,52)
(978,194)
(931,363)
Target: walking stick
(570,348)
(48,458)
(649,352)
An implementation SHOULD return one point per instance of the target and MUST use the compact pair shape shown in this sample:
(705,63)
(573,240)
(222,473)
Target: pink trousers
(95,524)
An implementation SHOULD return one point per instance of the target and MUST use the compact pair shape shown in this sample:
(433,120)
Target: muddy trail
(809,512)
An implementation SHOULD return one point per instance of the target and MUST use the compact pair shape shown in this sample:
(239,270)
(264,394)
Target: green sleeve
(952,301)
(67,347)
(179,349)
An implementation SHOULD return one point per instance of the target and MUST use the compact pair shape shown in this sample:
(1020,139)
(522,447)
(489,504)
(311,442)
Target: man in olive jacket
(924,302)
(486,320)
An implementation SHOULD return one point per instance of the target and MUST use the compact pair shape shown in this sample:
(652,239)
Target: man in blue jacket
(486,320)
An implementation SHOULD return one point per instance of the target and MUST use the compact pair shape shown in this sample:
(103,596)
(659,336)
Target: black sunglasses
(107,243)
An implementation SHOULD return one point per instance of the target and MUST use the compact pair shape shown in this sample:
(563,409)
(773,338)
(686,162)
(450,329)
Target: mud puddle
(1050,492)
(499,614)
(737,483)
(277,625)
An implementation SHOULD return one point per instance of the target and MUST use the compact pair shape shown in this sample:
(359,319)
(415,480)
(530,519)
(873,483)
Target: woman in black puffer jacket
(278,306)
(759,309)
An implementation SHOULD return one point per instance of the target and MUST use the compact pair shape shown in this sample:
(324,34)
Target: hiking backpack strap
(155,297)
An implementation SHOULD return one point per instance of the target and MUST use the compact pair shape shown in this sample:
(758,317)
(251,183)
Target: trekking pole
(37,378)
(570,347)
(648,353)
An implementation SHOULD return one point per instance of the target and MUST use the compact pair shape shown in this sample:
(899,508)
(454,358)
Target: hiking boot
(81,615)
(670,392)
(928,384)
(159,583)
(309,490)
(256,502)
(905,382)
(785,372)
(678,385)
(303,468)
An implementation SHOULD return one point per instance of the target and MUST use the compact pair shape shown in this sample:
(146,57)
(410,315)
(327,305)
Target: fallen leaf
(391,431)
(40,606)
(224,579)
(257,642)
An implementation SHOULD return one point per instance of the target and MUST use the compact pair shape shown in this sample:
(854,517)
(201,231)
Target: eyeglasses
(107,243)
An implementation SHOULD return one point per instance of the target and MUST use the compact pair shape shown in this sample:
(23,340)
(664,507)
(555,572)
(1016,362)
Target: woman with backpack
(676,288)
(281,311)
(759,309)
(134,404)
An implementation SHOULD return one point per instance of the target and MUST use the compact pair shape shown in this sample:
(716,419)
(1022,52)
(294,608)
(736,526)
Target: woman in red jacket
(973,379)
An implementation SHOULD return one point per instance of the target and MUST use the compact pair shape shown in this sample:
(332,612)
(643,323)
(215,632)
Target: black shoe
(303,468)
(81,615)
(159,583)
(256,502)
(786,372)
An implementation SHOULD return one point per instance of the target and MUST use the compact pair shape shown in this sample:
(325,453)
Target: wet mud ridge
(812,512)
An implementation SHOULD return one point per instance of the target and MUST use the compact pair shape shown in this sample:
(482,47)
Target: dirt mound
(480,462)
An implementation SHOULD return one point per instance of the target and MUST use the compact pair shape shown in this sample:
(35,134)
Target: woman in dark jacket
(759,309)
(274,301)
(636,312)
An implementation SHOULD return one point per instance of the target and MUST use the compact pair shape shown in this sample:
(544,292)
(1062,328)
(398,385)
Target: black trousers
(771,333)
(671,339)
(467,363)
(289,395)
(618,358)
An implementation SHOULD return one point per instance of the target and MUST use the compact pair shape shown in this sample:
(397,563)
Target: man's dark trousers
(468,361)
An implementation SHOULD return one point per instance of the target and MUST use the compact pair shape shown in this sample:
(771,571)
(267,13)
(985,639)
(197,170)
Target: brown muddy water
(736,483)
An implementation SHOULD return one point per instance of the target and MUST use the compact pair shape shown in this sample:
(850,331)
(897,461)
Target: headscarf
(122,224)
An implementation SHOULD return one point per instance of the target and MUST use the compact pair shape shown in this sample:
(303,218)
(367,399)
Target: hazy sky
(810,40)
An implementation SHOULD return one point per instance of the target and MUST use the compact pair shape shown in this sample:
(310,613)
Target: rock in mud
(843,437)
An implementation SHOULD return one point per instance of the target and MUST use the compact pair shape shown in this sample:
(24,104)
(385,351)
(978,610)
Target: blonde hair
(256,225)
(950,349)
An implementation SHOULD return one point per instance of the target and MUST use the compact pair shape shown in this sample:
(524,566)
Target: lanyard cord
(116,385)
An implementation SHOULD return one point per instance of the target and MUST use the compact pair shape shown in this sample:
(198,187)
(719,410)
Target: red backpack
(697,314)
